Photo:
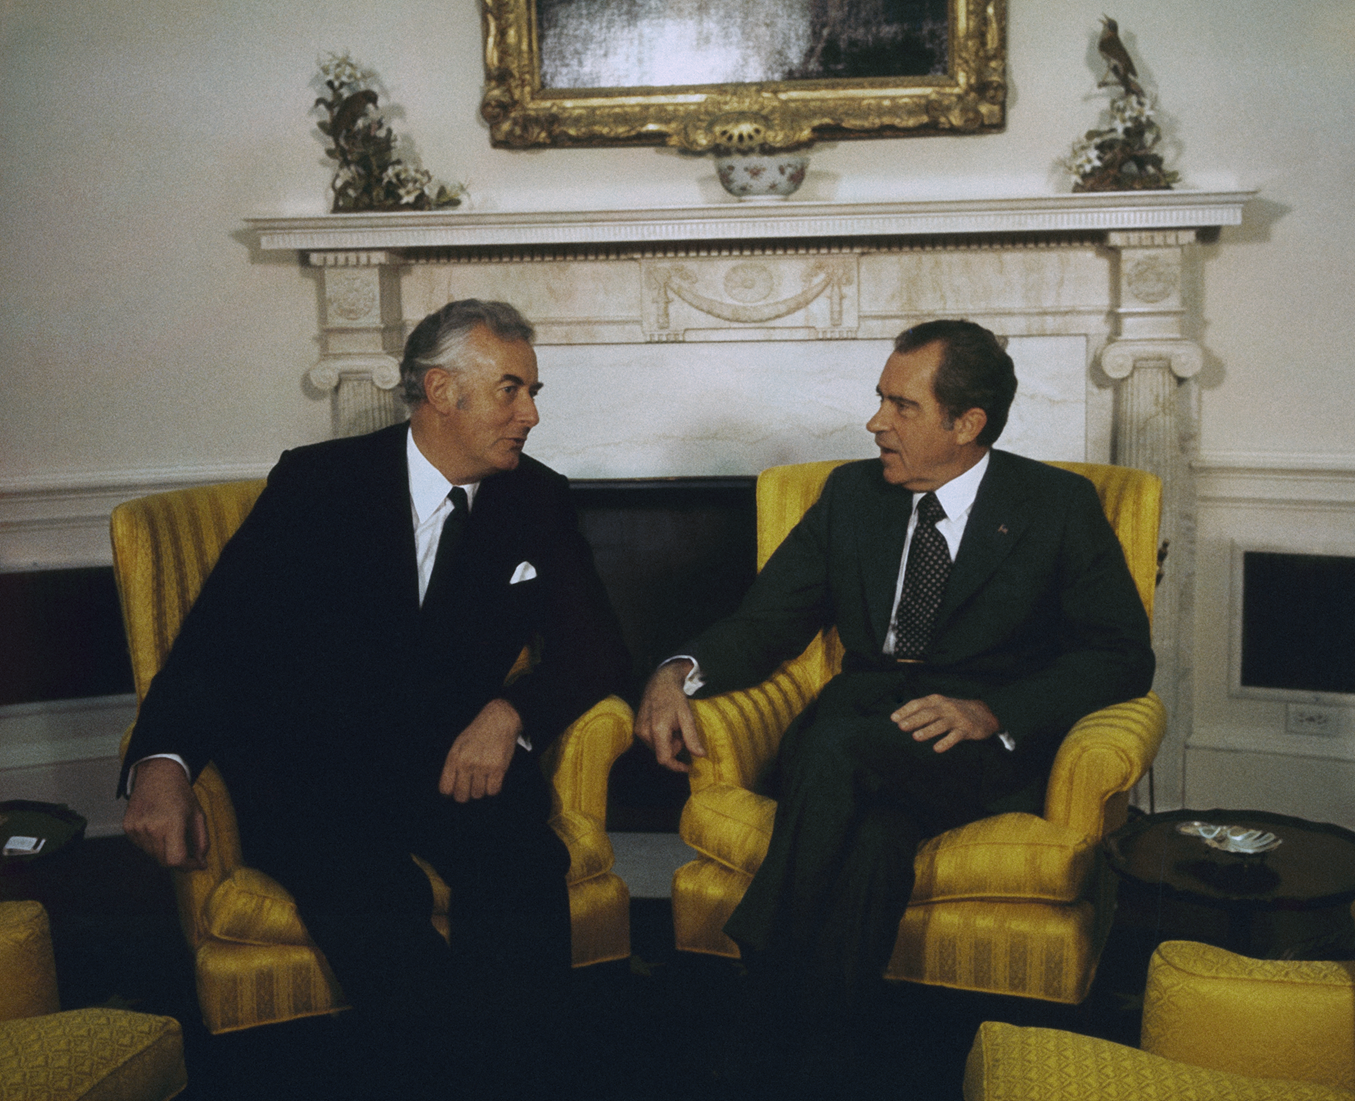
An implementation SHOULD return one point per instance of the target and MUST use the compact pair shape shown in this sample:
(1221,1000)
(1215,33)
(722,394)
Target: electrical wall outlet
(1310,718)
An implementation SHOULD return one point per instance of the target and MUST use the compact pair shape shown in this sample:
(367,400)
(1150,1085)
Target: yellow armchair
(255,962)
(1015,904)
(1215,1025)
(94,1054)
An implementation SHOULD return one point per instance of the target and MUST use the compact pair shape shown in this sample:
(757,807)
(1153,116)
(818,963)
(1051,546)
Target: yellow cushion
(27,968)
(729,824)
(1008,1063)
(1276,1018)
(1028,949)
(244,985)
(91,1055)
(248,907)
(1010,856)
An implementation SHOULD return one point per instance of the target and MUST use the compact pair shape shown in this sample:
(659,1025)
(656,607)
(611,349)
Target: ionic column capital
(1184,357)
(382,370)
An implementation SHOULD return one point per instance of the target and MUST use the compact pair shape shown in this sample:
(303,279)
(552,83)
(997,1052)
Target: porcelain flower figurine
(1121,156)
(370,176)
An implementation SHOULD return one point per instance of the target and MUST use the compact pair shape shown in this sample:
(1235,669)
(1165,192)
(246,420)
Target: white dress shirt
(956,498)
(429,507)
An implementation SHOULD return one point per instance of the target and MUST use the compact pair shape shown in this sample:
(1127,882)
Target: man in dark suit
(347,668)
(984,606)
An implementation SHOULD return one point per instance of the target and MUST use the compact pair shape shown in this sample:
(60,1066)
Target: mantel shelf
(1105,211)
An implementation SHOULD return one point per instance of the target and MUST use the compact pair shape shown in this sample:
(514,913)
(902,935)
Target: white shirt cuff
(131,775)
(694,681)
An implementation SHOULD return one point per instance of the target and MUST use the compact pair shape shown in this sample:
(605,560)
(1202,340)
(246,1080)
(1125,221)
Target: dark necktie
(440,581)
(924,580)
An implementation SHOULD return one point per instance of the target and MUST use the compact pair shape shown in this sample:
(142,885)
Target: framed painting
(706,75)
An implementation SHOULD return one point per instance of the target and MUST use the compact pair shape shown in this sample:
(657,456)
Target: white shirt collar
(957,495)
(428,488)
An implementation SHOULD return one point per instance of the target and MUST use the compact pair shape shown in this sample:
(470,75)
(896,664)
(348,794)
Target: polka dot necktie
(924,579)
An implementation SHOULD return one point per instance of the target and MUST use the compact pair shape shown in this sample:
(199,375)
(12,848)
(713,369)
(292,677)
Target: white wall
(140,336)
(138,134)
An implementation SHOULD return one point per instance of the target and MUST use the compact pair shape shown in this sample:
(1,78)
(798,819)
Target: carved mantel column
(1153,363)
(361,333)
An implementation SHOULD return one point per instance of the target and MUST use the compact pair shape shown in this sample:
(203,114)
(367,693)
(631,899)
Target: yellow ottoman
(1008,1063)
(82,1055)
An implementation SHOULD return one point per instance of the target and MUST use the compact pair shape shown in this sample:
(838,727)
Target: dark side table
(1294,899)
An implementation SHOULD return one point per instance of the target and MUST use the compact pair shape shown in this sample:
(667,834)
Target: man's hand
(959,720)
(665,722)
(163,817)
(480,755)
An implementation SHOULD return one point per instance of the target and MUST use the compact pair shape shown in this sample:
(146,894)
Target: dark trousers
(856,796)
(479,1016)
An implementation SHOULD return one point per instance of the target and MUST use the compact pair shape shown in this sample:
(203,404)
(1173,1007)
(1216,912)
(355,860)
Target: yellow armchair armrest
(730,824)
(1101,758)
(580,761)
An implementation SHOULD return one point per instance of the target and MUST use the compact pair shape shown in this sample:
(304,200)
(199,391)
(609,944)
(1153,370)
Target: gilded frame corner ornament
(970,97)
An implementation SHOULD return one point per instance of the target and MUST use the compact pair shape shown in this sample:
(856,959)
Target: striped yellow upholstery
(1014,904)
(81,1055)
(1215,1025)
(255,962)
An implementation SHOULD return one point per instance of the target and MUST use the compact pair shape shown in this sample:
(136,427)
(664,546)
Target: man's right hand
(664,721)
(163,817)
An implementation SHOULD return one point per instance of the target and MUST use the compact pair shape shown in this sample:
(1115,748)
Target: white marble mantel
(754,221)
(762,272)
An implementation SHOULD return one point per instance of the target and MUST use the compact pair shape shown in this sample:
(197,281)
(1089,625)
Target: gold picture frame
(968,97)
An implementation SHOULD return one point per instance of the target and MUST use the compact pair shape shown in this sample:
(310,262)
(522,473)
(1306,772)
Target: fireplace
(711,342)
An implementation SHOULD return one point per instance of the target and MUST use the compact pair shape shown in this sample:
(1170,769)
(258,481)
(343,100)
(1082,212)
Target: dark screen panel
(1298,622)
(61,636)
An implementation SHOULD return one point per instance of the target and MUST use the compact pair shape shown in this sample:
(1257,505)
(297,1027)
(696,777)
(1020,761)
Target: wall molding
(1277,479)
(60,521)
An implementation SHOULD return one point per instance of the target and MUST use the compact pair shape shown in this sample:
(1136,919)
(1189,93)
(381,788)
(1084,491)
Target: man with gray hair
(346,667)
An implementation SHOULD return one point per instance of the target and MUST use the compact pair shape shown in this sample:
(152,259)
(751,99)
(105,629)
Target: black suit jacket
(305,669)
(1040,617)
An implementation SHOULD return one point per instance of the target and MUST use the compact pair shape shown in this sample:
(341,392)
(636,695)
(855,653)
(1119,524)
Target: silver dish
(1231,839)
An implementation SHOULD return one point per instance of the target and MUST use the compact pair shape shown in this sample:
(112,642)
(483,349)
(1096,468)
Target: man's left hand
(953,721)
(480,755)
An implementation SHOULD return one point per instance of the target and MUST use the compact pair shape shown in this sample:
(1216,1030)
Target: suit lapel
(884,524)
(996,522)
(392,522)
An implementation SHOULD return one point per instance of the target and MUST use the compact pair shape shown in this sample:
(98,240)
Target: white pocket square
(525,572)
